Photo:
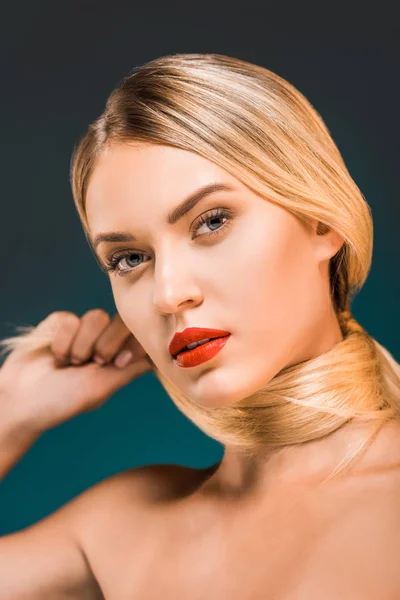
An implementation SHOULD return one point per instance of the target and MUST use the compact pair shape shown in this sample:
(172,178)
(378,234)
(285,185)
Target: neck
(306,464)
(241,474)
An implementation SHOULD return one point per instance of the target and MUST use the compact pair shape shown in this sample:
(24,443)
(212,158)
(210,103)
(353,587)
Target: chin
(218,389)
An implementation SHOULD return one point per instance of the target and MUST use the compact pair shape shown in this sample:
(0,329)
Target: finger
(34,338)
(64,326)
(112,339)
(109,379)
(131,347)
(92,324)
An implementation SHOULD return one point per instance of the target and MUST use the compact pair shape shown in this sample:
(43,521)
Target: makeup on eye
(113,262)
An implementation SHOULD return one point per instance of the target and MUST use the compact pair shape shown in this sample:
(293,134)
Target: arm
(15,441)
(44,561)
(39,389)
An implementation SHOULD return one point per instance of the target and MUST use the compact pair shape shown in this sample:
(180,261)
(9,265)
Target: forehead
(145,179)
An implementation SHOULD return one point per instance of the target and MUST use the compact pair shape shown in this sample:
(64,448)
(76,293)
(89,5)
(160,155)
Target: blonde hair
(260,128)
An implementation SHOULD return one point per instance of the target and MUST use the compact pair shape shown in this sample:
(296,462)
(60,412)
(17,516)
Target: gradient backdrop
(60,61)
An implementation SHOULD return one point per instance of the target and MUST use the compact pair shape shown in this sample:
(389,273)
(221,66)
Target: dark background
(59,63)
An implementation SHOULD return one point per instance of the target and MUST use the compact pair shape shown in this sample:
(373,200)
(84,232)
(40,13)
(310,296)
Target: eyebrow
(173,217)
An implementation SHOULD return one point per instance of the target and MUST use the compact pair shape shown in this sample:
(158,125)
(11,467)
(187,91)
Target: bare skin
(246,529)
(294,544)
(170,531)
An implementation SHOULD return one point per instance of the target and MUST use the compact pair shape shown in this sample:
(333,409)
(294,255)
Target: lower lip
(200,354)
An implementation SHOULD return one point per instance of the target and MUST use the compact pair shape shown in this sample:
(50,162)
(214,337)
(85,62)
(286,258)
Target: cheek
(272,277)
(274,303)
(132,310)
(274,293)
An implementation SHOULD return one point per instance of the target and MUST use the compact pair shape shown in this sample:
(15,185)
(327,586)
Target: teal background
(60,61)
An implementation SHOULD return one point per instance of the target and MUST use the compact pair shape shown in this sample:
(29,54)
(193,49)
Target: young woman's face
(234,262)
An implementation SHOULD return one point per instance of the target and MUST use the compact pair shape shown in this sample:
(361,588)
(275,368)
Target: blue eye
(114,262)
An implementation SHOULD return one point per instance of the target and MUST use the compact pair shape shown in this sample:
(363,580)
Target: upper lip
(193,334)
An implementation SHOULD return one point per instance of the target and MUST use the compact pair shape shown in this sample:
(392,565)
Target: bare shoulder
(375,479)
(137,488)
(150,483)
(131,499)
(75,551)
(129,511)
(383,456)
(365,511)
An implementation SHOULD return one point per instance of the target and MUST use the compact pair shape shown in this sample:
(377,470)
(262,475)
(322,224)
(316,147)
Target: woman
(213,196)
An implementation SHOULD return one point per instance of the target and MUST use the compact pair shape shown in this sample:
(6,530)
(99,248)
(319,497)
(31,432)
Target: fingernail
(123,358)
(75,361)
(100,361)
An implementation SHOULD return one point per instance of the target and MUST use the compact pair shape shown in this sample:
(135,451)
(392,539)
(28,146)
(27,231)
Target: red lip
(193,334)
(201,354)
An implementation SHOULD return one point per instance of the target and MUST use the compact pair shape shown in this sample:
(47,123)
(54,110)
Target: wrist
(15,428)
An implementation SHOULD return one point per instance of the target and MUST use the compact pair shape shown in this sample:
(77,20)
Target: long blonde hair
(261,129)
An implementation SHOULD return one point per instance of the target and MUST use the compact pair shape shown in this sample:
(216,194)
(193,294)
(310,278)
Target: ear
(327,242)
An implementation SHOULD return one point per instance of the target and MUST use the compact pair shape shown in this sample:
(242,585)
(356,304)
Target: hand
(40,387)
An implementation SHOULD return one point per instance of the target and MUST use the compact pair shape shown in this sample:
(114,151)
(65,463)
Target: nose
(175,287)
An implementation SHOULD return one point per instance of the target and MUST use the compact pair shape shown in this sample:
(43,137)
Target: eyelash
(220,213)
